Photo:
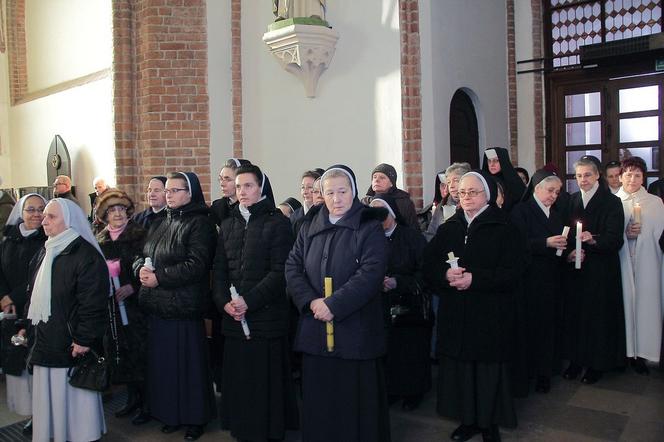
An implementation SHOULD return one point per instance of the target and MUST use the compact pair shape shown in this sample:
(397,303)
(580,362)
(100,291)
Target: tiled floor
(621,407)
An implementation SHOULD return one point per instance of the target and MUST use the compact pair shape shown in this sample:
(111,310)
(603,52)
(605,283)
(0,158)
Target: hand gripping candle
(559,252)
(453,261)
(637,213)
(114,272)
(245,326)
(329,326)
(577,260)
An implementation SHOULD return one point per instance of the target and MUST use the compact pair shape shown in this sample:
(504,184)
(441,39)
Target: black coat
(476,324)
(148,218)
(16,252)
(182,250)
(131,339)
(353,253)
(221,209)
(79,294)
(542,284)
(594,319)
(404,204)
(251,256)
(512,184)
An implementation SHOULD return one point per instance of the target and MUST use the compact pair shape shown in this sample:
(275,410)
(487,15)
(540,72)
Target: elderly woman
(121,240)
(175,294)
(342,376)
(384,180)
(497,163)
(476,311)
(594,319)
(67,308)
(24,237)
(408,309)
(541,227)
(258,400)
(446,206)
(642,266)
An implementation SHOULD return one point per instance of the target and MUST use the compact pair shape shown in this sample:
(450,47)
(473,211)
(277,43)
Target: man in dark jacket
(62,189)
(384,180)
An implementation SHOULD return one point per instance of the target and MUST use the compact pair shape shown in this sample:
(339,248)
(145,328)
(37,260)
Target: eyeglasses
(117,208)
(470,193)
(33,210)
(174,190)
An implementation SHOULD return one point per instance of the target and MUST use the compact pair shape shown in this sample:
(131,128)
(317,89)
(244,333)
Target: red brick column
(411,102)
(538,86)
(511,85)
(161,103)
(236,76)
(18,65)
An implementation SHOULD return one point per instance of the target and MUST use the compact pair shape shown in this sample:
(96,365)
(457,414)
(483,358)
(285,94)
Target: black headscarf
(263,180)
(349,173)
(160,178)
(393,206)
(195,189)
(537,178)
(488,182)
(602,180)
(437,197)
(513,186)
(292,203)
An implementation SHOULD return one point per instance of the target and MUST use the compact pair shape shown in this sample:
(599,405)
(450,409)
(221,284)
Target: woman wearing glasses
(476,310)
(23,238)
(121,241)
(175,294)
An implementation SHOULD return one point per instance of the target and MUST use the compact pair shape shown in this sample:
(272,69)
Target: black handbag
(413,309)
(90,372)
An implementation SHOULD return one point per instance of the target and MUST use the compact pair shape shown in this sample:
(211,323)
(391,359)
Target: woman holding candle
(642,266)
(594,320)
(476,312)
(23,238)
(542,226)
(408,309)
(121,241)
(175,296)
(343,390)
(258,400)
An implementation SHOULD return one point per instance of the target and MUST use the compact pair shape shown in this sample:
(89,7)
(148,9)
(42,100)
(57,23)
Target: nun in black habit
(258,397)
(497,163)
(593,316)
(175,295)
(476,312)
(408,309)
(541,227)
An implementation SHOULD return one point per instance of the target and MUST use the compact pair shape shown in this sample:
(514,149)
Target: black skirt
(476,393)
(179,384)
(258,396)
(408,363)
(344,400)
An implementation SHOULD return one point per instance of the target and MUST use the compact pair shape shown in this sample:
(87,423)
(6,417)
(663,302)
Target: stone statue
(285,9)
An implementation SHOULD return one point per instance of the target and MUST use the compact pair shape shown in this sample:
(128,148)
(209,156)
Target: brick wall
(18,66)
(236,76)
(161,102)
(511,84)
(411,102)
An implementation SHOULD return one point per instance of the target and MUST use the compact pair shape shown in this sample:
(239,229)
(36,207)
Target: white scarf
(40,303)
(587,196)
(25,231)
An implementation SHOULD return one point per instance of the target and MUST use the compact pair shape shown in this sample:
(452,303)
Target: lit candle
(329,326)
(577,261)
(637,213)
(453,261)
(559,252)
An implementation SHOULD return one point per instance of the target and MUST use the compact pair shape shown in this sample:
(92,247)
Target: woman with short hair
(67,309)
(474,263)
(642,266)
(343,382)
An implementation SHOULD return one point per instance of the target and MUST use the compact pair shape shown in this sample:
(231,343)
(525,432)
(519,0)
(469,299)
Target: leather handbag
(90,372)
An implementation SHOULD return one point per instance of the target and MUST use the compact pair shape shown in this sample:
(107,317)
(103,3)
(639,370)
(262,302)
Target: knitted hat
(388,170)
(112,197)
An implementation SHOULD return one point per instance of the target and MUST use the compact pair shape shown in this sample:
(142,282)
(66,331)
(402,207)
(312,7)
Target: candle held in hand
(559,252)
(245,327)
(637,213)
(577,260)
(329,326)
(453,261)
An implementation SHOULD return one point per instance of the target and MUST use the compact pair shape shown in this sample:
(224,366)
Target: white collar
(157,211)
(546,210)
(469,219)
(587,196)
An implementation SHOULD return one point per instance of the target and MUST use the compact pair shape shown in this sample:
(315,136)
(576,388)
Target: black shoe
(193,432)
(491,434)
(168,429)
(142,417)
(543,384)
(465,432)
(572,371)
(411,402)
(639,365)
(591,376)
(27,428)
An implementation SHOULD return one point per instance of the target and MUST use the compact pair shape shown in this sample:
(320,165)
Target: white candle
(559,252)
(577,261)
(245,326)
(453,261)
(637,213)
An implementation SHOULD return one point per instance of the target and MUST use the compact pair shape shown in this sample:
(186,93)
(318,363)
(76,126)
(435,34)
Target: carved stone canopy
(304,50)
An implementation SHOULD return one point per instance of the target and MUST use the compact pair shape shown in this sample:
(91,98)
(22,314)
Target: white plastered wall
(464,45)
(355,119)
